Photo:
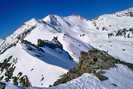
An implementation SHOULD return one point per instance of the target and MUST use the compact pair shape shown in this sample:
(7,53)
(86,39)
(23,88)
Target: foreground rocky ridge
(92,72)
(93,62)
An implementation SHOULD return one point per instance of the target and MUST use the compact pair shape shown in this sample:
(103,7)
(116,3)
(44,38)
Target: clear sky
(13,13)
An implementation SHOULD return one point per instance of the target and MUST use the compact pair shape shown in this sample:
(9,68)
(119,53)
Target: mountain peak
(52,19)
(32,21)
(127,12)
(76,16)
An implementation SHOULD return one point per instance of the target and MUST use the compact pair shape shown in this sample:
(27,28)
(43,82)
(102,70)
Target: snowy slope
(109,25)
(86,81)
(43,66)
(67,34)
(96,32)
(89,81)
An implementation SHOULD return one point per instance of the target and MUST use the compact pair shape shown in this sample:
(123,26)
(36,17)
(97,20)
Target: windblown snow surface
(76,34)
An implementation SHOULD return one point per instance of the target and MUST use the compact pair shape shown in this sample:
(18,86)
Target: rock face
(54,43)
(94,62)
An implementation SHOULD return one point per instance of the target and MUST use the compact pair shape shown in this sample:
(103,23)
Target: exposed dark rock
(51,44)
(95,62)
(7,69)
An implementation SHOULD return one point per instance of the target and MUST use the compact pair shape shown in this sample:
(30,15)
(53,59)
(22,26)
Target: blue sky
(13,13)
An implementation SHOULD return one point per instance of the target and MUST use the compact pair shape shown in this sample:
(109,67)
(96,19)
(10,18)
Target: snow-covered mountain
(43,65)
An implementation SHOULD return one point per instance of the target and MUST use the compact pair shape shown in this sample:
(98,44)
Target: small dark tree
(15,80)
(2,85)
(24,81)
(131,29)
(1,77)
(40,43)
(131,14)
(19,74)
